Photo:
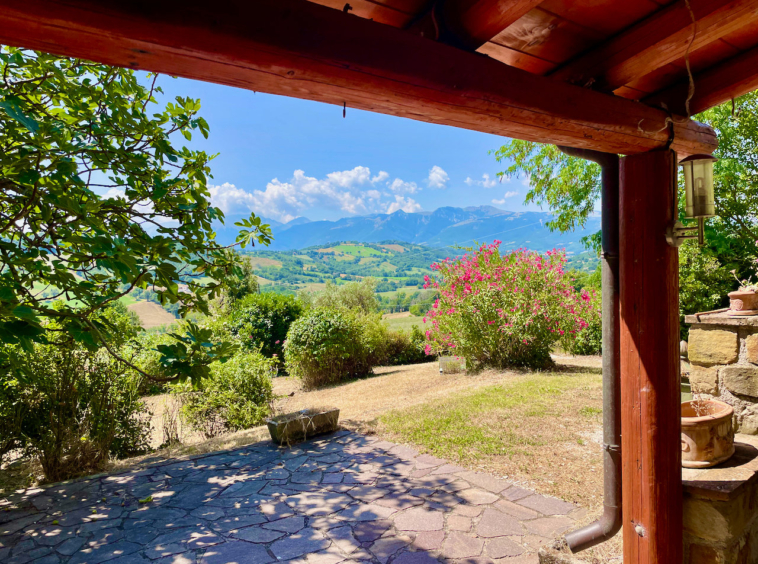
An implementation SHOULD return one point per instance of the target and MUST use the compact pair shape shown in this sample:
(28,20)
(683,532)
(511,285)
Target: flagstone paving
(343,498)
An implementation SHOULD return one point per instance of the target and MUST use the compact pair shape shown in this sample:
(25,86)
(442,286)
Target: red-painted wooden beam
(297,48)
(650,390)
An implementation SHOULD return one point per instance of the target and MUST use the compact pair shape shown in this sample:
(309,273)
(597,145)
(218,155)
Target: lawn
(398,322)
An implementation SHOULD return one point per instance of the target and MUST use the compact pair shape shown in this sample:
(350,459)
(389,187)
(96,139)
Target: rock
(751,344)
(741,380)
(704,380)
(713,346)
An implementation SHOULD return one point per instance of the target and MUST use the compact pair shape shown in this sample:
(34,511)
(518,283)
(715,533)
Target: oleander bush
(503,310)
(590,339)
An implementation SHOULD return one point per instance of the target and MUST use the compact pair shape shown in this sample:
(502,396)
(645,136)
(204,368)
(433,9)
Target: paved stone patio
(343,498)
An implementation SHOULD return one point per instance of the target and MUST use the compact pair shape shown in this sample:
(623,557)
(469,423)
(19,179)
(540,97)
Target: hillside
(443,227)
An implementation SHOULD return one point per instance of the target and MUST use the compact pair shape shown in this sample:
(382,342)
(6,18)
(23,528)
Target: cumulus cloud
(402,187)
(353,191)
(485,182)
(438,178)
(505,197)
(408,205)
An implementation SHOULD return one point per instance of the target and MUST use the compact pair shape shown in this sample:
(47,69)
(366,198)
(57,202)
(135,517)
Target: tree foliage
(96,198)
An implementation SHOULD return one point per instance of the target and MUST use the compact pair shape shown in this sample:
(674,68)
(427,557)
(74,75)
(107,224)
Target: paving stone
(51,535)
(319,503)
(257,534)
(476,496)
(468,510)
(277,510)
(415,558)
(306,541)
(518,511)
(30,555)
(534,542)
(106,536)
(367,493)
(523,559)
(515,493)
(366,512)
(399,501)
(459,523)
(385,547)
(458,545)
(419,519)
(448,469)
(236,552)
(104,553)
(343,538)
(331,478)
(547,505)
(485,481)
(497,524)
(70,546)
(287,525)
(228,524)
(100,525)
(209,513)
(503,547)
(549,526)
(430,540)
(369,531)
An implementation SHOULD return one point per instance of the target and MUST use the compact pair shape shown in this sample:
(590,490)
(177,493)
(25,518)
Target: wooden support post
(650,389)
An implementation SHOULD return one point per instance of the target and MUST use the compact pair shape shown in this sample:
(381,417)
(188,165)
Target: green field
(404,323)
(357,250)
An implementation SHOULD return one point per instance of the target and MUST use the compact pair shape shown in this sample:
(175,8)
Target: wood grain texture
(656,41)
(650,395)
(722,82)
(299,49)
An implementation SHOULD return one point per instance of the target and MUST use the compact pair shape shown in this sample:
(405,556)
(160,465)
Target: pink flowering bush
(504,310)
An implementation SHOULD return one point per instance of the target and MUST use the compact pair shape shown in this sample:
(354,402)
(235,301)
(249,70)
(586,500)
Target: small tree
(96,200)
(504,310)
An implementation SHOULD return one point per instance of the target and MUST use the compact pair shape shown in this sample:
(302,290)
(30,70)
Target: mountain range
(446,226)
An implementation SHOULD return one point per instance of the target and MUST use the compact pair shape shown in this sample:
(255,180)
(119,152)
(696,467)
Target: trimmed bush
(261,321)
(406,348)
(326,346)
(504,310)
(237,395)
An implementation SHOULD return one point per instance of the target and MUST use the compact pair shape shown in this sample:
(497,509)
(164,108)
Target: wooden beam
(296,48)
(472,23)
(656,41)
(650,389)
(722,82)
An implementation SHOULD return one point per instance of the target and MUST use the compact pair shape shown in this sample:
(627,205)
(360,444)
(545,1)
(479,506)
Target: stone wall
(720,509)
(723,353)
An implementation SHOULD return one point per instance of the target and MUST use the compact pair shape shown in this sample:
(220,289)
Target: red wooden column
(650,393)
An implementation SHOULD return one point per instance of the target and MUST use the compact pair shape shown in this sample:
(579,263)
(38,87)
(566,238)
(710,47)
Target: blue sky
(365,163)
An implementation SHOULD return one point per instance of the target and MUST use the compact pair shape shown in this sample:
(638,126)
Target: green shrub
(261,321)
(326,346)
(354,296)
(236,396)
(417,310)
(405,348)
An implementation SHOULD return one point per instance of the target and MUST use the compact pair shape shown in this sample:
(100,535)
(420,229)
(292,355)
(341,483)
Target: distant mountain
(443,227)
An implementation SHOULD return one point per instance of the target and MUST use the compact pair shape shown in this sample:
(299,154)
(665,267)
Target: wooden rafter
(724,81)
(296,48)
(656,41)
(472,22)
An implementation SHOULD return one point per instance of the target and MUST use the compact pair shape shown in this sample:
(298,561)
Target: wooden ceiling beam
(716,85)
(658,40)
(304,50)
(469,24)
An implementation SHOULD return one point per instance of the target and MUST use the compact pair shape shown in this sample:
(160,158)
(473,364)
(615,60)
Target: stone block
(751,344)
(721,522)
(704,380)
(707,347)
(741,380)
(700,554)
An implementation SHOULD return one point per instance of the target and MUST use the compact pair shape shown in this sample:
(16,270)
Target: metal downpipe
(610,521)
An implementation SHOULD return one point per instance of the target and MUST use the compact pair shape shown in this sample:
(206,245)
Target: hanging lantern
(698,204)
(698,186)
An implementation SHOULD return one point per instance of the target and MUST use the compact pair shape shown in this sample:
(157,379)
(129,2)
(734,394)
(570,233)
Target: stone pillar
(723,353)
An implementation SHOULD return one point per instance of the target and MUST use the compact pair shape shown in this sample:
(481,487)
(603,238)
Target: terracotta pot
(743,301)
(707,436)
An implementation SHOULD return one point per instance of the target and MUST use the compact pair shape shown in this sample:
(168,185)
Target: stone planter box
(301,425)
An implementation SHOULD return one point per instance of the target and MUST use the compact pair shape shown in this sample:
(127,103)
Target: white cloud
(353,191)
(438,178)
(505,197)
(408,205)
(485,182)
(402,187)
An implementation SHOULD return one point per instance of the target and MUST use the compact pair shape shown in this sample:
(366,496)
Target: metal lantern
(698,186)
(699,204)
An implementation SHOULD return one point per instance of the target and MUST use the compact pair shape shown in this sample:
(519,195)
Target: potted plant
(745,300)
(707,432)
